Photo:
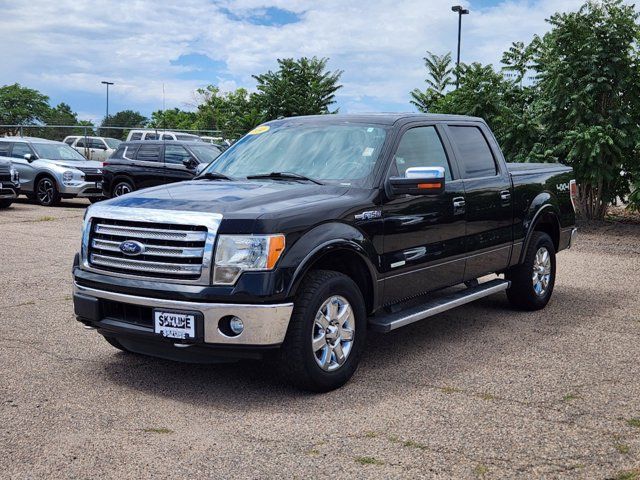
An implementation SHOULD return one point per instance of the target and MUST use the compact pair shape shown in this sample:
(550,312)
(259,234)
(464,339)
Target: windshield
(344,153)
(112,142)
(56,151)
(205,153)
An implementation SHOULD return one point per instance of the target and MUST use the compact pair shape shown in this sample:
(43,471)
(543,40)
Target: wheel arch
(545,219)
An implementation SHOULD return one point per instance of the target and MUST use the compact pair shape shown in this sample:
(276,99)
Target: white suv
(93,148)
(161,135)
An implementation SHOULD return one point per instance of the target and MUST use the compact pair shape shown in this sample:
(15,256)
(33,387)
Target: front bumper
(264,324)
(9,190)
(81,189)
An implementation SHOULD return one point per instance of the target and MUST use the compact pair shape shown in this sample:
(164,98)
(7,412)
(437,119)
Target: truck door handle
(505,195)
(459,205)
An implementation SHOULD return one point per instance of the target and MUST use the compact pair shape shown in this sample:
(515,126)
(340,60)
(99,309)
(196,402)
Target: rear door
(148,168)
(424,235)
(487,192)
(179,164)
(25,168)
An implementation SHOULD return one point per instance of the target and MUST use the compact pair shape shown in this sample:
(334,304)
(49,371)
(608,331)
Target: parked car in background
(9,183)
(50,171)
(143,164)
(219,142)
(93,148)
(161,135)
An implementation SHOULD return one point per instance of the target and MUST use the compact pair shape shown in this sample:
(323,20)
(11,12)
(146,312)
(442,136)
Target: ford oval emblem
(131,247)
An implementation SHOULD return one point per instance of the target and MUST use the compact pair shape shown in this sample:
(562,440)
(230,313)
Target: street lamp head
(459,10)
(107,83)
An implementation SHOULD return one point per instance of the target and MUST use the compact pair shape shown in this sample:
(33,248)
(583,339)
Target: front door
(25,169)
(179,165)
(424,235)
(488,200)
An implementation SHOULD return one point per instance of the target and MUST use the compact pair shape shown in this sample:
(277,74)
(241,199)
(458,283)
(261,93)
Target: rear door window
(136,136)
(5,148)
(476,159)
(149,153)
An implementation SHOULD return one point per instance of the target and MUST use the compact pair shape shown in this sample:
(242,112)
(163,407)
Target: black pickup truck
(309,231)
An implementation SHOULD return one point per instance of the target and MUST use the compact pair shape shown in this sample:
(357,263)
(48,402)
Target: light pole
(111,83)
(460,11)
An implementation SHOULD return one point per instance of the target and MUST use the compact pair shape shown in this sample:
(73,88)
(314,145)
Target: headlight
(67,176)
(240,253)
(15,176)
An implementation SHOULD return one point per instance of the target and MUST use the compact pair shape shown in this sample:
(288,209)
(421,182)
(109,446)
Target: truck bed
(528,168)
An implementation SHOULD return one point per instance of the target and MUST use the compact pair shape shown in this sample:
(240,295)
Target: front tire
(47,193)
(122,187)
(6,203)
(326,334)
(532,281)
(96,199)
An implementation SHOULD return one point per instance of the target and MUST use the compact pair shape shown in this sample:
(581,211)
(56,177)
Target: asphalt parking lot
(478,392)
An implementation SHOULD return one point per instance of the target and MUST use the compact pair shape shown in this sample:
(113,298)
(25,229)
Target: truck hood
(239,199)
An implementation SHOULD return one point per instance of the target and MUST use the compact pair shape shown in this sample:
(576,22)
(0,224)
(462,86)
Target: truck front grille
(5,171)
(167,251)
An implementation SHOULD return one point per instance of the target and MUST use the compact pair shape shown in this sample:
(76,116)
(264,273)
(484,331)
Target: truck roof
(380,118)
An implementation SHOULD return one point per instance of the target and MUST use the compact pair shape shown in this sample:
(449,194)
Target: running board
(390,321)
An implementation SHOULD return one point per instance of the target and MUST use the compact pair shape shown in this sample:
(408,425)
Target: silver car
(50,171)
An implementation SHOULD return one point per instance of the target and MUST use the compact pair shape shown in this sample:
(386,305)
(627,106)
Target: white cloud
(65,48)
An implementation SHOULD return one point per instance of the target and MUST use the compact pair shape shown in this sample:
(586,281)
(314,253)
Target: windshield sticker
(367,152)
(260,129)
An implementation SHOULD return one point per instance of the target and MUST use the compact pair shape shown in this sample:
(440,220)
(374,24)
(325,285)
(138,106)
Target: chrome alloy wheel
(121,189)
(541,275)
(333,333)
(46,191)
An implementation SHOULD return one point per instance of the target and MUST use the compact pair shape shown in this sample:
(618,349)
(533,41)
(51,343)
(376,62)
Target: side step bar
(387,322)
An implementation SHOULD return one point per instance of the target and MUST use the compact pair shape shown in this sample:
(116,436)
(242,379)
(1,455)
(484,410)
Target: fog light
(236,325)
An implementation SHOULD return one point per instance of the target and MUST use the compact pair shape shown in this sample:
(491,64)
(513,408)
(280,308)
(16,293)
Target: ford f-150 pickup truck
(310,231)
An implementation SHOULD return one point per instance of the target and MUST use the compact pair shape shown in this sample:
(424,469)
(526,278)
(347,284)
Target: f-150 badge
(370,215)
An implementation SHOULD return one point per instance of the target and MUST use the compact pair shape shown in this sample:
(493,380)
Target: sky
(65,48)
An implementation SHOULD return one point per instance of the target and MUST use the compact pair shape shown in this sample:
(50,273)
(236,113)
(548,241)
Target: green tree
(439,70)
(298,87)
(233,113)
(59,115)
(21,106)
(589,82)
(124,118)
(174,119)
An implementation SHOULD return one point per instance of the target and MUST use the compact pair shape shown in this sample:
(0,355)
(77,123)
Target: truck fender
(325,239)
(544,206)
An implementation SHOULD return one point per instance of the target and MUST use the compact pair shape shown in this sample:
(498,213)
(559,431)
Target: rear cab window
(475,157)
(136,136)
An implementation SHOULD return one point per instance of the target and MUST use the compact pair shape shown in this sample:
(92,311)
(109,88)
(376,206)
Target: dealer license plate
(175,325)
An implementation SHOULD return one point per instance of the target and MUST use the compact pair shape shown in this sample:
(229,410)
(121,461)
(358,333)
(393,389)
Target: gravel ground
(478,392)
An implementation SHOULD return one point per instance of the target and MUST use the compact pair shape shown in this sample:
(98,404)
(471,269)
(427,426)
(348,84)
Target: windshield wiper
(286,175)
(213,176)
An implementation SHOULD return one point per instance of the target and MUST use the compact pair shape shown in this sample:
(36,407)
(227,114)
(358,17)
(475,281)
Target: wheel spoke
(340,357)
(319,342)
(344,313)
(326,359)
(332,309)
(346,334)
(322,320)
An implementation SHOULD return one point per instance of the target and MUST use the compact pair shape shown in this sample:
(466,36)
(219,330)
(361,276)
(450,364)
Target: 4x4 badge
(370,215)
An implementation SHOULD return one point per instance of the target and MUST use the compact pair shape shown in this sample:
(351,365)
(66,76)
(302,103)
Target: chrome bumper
(263,324)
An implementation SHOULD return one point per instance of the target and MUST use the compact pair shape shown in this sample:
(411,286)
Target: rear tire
(532,281)
(6,203)
(96,199)
(326,334)
(47,193)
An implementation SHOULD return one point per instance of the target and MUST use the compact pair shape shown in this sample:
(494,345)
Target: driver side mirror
(190,163)
(419,181)
(29,157)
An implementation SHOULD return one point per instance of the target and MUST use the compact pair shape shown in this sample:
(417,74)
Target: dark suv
(142,164)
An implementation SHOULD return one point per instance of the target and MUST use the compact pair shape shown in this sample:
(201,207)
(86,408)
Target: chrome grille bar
(144,266)
(151,233)
(180,252)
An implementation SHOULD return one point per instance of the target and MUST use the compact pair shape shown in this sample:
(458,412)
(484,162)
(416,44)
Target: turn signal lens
(429,186)
(276,247)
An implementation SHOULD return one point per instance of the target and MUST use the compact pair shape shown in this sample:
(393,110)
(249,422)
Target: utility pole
(460,11)
(107,84)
